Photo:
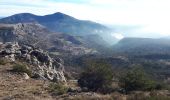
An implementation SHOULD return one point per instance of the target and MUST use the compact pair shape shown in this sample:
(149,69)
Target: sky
(144,18)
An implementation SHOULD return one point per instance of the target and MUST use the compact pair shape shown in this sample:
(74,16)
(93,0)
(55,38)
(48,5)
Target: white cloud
(117,35)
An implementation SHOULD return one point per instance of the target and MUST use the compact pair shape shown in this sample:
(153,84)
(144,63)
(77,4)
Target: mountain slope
(95,41)
(58,22)
(38,36)
(142,46)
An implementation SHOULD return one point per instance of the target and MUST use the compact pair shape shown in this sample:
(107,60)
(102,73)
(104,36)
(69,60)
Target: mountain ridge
(63,23)
(29,17)
(142,46)
(38,36)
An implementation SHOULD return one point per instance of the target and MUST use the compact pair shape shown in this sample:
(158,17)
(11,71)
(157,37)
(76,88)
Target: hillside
(142,46)
(38,36)
(62,23)
(57,22)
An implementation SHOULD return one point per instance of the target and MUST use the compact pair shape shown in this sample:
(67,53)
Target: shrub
(21,69)
(136,79)
(96,77)
(57,89)
(2,62)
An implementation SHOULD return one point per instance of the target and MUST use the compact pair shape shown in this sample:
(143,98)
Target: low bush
(136,79)
(97,77)
(3,62)
(20,68)
(57,89)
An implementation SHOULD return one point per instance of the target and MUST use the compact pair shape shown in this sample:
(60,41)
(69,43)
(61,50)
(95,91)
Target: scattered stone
(25,75)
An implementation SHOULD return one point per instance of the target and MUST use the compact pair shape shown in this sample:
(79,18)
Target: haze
(130,18)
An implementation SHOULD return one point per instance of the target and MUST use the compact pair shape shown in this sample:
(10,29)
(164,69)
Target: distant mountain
(95,41)
(142,46)
(38,36)
(59,22)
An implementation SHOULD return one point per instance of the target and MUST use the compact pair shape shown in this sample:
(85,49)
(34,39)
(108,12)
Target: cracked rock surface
(45,67)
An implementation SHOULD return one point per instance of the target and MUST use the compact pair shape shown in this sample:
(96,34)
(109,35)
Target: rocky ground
(19,86)
(39,62)
(14,86)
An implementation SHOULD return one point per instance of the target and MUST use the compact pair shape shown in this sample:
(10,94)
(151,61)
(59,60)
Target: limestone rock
(45,67)
(25,75)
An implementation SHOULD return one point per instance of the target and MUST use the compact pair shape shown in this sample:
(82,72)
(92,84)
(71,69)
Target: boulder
(25,75)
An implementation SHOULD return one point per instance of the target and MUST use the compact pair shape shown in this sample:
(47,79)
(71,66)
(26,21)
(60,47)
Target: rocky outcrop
(43,66)
(38,36)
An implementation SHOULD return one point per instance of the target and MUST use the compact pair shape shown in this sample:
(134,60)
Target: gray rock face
(45,67)
(38,36)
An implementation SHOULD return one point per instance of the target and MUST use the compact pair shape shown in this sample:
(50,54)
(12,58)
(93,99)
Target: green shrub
(57,89)
(21,69)
(2,62)
(97,77)
(136,79)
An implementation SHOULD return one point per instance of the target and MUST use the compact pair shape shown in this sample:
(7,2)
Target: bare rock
(45,67)
(25,75)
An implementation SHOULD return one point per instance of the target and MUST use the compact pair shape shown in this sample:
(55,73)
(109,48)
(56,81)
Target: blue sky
(152,16)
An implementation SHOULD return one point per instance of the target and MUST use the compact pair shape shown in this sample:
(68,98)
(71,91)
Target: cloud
(118,36)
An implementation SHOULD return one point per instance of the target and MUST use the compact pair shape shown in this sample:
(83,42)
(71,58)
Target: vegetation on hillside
(137,79)
(96,77)
(57,89)
(21,68)
(3,61)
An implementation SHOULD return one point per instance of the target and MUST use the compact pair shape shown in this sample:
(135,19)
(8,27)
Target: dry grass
(14,87)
